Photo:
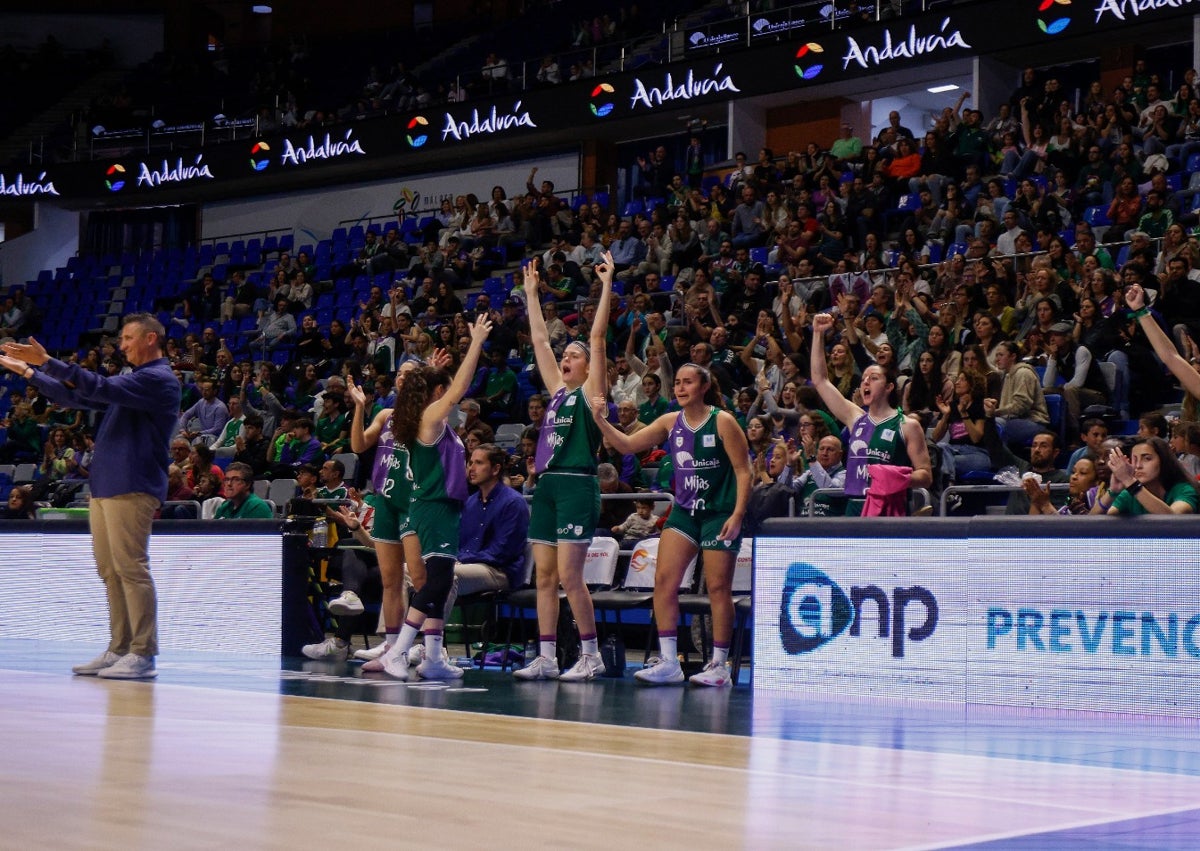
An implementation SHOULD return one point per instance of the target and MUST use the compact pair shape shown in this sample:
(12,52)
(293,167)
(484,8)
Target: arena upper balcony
(708,67)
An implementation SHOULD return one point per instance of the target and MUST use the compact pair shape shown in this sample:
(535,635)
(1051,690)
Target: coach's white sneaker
(131,666)
(105,660)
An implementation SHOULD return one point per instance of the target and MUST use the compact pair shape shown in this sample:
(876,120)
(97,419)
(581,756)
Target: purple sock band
(391,630)
(433,632)
(670,634)
(413,625)
(547,638)
(724,645)
(587,637)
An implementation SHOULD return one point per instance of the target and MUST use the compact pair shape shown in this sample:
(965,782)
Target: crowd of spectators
(1017,334)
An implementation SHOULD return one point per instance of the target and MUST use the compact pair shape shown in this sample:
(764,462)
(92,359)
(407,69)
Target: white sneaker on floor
(131,666)
(371,654)
(395,665)
(665,672)
(439,669)
(328,650)
(347,605)
(589,666)
(541,668)
(713,674)
(104,660)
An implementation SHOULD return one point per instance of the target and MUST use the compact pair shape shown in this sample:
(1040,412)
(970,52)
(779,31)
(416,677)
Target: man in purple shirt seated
(128,478)
(493,531)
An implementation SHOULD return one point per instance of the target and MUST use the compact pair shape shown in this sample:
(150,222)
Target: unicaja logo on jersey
(1056,26)
(811,71)
(416,137)
(601,105)
(260,156)
(114,178)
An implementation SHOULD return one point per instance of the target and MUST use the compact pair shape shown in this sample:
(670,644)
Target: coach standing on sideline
(128,478)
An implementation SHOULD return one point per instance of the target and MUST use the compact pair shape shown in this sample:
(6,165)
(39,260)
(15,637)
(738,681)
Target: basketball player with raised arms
(881,434)
(566,501)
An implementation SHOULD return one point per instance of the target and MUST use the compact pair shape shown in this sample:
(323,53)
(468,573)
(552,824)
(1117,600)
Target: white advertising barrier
(213,590)
(1100,624)
(856,617)
(1108,624)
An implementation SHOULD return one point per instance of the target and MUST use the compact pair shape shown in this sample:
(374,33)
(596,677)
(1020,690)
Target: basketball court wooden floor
(231,752)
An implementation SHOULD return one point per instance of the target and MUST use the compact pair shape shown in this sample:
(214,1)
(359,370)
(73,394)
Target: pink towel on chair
(887,494)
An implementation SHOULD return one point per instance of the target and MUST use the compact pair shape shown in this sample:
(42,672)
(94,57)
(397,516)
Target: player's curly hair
(411,400)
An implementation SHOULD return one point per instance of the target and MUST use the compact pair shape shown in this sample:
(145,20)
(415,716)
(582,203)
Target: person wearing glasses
(241,503)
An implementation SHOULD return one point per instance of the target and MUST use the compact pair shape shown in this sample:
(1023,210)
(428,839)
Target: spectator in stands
(58,455)
(966,435)
(10,318)
(301,447)
(24,438)
(494,74)
(178,489)
(20,504)
(1083,383)
(333,486)
(210,415)
(1092,434)
(471,412)
(1185,443)
(1149,481)
(200,461)
(274,329)
(1043,450)
(638,526)
(203,303)
(332,428)
(1081,496)
(1021,410)
(241,503)
(307,476)
(1153,424)
(749,229)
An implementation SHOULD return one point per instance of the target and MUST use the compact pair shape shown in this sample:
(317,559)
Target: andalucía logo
(1056,26)
(260,156)
(417,138)
(813,70)
(601,105)
(114,178)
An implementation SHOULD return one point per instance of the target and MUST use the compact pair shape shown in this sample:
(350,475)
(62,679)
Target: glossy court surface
(231,751)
